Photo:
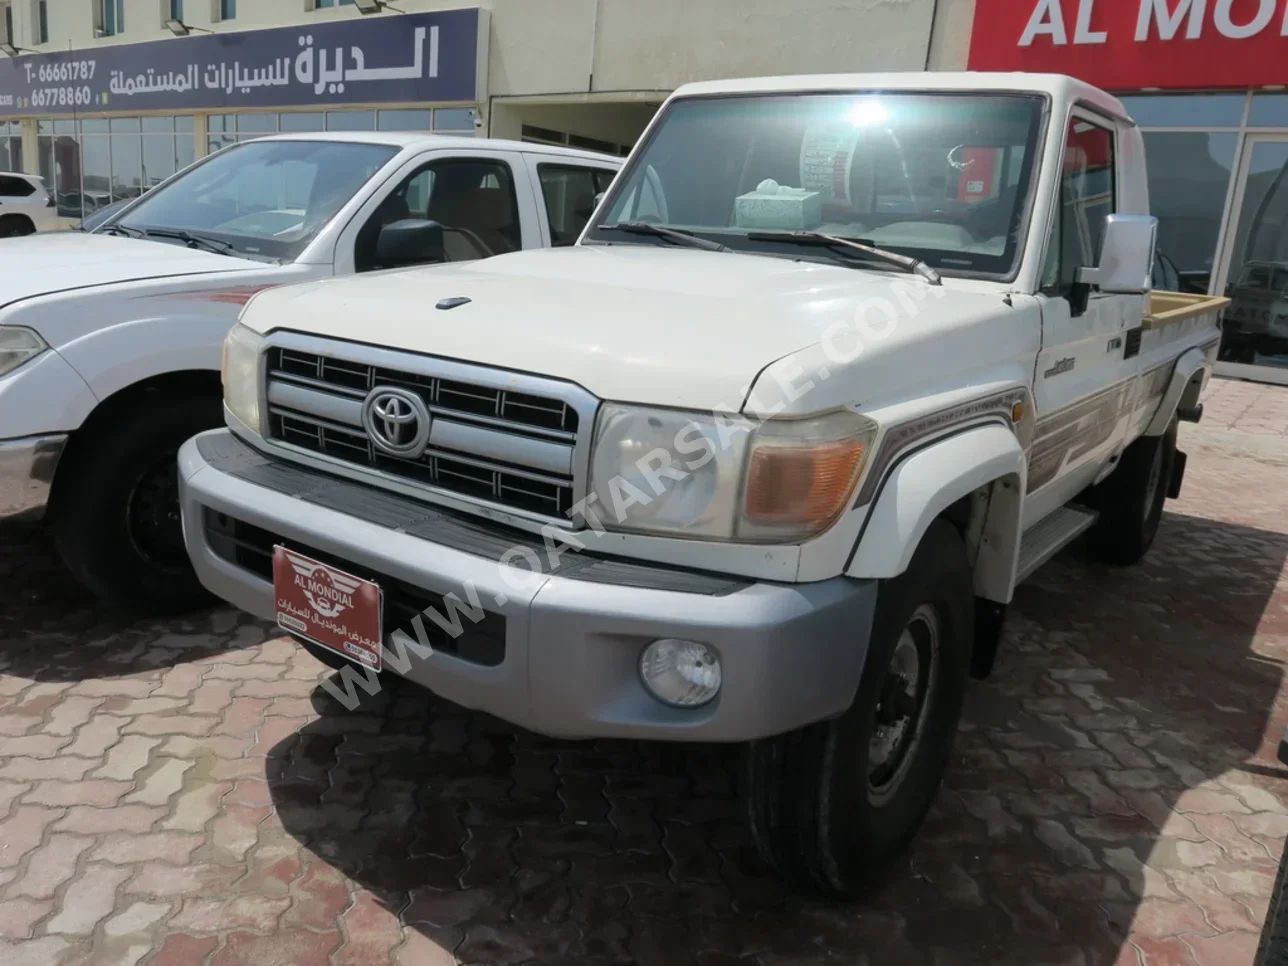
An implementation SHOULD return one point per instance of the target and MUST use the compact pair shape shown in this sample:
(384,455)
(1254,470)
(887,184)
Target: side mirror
(411,241)
(1127,256)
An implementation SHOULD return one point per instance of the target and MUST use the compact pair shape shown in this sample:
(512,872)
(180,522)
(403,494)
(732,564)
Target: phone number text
(61,72)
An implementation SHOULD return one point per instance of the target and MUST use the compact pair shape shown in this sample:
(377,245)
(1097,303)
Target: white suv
(25,205)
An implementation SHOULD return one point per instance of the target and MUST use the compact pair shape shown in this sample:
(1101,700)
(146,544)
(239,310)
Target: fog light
(684,674)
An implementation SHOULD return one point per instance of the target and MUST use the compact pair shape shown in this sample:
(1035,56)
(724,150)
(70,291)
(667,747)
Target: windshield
(265,199)
(938,177)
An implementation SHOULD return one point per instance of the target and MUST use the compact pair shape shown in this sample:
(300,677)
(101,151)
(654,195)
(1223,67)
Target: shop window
(569,194)
(301,121)
(10,146)
(6,23)
(1086,198)
(227,9)
(544,135)
(473,199)
(351,121)
(256,124)
(91,164)
(403,121)
(1269,110)
(324,4)
(1189,175)
(174,10)
(458,120)
(1186,110)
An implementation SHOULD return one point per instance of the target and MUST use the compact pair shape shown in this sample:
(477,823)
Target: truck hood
(60,261)
(632,323)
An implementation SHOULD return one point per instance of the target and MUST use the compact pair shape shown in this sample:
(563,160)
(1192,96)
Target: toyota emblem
(397,421)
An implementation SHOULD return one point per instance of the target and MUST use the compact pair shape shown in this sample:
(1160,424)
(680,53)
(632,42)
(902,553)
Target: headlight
(18,346)
(668,472)
(241,374)
(684,474)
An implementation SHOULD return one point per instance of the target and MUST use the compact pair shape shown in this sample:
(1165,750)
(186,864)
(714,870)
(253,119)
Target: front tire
(833,806)
(116,504)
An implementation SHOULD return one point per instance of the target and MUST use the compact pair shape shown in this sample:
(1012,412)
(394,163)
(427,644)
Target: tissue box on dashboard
(777,206)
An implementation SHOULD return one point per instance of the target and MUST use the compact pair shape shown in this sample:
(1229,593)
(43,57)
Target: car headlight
(711,477)
(241,375)
(18,346)
(667,472)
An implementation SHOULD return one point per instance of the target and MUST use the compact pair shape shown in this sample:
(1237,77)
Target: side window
(15,187)
(472,198)
(1086,197)
(569,193)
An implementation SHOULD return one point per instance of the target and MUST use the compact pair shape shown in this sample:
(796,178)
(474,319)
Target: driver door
(1085,371)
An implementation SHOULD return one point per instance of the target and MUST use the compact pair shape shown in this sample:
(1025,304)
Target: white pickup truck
(110,341)
(838,362)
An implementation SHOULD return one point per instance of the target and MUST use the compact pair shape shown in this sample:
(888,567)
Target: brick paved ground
(183,793)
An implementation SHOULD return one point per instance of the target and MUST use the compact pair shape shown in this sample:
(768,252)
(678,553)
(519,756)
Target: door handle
(1114,344)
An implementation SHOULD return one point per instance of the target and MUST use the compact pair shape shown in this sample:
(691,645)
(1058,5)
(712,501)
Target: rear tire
(116,504)
(1130,500)
(833,806)
(16,226)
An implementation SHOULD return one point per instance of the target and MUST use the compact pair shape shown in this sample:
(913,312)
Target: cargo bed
(1169,308)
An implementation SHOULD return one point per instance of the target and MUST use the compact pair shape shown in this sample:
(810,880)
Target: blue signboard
(406,58)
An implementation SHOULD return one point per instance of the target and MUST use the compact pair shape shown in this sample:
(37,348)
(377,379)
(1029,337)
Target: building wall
(950,43)
(568,46)
(572,46)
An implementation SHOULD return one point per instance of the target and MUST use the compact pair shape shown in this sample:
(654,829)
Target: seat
(486,213)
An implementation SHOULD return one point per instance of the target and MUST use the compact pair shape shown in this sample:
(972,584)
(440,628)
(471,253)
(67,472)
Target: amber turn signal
(806,486)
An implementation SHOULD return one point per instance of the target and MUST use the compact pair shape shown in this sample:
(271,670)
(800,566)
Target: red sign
(339,611)
(1125,45)
(979,172)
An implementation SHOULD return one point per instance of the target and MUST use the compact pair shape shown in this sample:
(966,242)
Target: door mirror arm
(1079,296)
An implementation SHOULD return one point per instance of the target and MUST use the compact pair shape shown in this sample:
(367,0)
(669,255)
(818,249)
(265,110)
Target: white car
(26,206)
(838,362)
(110,340)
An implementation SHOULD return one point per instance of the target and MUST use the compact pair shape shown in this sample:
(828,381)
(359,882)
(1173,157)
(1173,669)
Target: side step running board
(1045,539)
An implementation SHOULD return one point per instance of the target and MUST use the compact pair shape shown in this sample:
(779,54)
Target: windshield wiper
(677,235)
(913,265)
(191,240)
(120,230)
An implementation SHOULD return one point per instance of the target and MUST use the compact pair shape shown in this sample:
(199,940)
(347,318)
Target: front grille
(251,548)
(500,445)
(521,409)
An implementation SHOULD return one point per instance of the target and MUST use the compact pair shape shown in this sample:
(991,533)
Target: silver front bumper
(791,654)
(26,473)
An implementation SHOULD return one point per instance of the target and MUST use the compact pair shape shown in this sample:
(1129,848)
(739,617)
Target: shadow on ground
(53,629)
(1117,693)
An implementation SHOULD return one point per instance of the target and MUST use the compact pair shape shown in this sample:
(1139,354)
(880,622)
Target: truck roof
(414,139)
(1059,87)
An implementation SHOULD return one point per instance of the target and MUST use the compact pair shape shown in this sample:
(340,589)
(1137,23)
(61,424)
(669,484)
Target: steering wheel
(958,164)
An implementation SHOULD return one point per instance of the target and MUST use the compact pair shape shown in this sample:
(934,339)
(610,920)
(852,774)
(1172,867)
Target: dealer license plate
(331,608)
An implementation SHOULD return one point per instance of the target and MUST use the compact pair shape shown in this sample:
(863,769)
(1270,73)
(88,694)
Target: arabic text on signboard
(410,58)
